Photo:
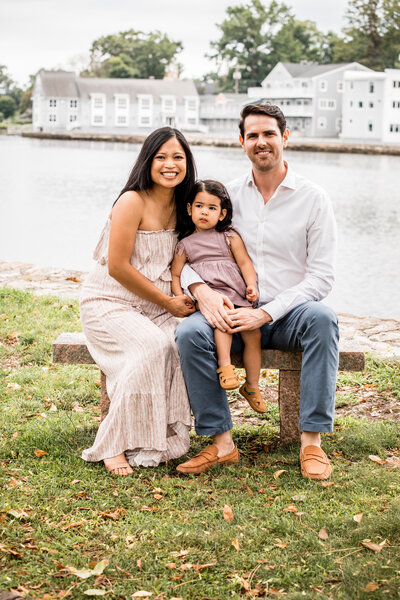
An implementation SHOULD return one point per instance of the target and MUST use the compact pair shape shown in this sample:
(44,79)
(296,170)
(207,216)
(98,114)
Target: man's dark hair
(268,110)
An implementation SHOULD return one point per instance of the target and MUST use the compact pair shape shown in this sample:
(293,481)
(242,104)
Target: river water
(55,196)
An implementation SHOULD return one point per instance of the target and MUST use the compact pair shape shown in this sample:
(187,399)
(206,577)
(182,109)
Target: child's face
(206,211)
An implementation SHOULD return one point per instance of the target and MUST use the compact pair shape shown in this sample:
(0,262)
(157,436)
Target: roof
(313,69)
(66,84)
(59,83)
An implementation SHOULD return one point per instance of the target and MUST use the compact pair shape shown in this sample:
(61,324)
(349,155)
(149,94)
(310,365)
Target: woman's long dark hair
(140,180)
(185,226)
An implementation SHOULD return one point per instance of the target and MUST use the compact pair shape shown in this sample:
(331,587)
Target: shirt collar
(289,180)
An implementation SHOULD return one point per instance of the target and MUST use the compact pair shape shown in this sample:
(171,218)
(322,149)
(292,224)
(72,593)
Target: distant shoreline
(300,146)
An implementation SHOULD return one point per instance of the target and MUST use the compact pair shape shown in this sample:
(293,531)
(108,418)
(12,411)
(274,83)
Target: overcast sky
(49,33)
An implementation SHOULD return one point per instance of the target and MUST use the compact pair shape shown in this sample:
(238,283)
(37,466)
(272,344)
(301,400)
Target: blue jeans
(311,327)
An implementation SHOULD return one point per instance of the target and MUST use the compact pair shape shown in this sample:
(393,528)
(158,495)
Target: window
(323,85)
(98,120)
(352,85)
(394,128)
(338,124)
(326,104)
(396,104)
(122,102)
(145,110)
(121,120)
(98,102)
(52,102)
(52,118)
(73,103)
(351,103)
(322,123)
(98,109)
(371,105)
(192,121)
(339,86)
(370,126)
(371,87)
(73,118)
(121,110)
(192,104)
(396,84)
(360,104)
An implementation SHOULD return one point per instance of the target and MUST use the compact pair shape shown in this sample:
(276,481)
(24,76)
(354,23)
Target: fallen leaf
(139,564)
(371,587)
(280,544)
(157,496)
(95,592)
(377,459)
(76,280)
(323,534)
(6,550)
(70,525)
(40,453)
(18,513)
(372,546)
(86,573)
(249,491)
(358,517)
(142,594)
(171,565)
(299,497)
(14,386)
(115,515)
(290,508)
(53,408)
(74,481)
(279,473)
(13,482)
(205,566)
(186,566)
(326,484)
(15,435)
(227,513)
(235,544)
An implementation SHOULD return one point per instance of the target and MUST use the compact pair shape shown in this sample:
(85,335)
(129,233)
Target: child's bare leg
(223,342)
(252,356)
(227,377)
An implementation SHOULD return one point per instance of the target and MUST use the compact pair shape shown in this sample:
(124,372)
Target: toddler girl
(217,253)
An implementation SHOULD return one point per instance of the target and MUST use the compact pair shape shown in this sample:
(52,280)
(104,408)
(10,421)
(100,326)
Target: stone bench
(71,348)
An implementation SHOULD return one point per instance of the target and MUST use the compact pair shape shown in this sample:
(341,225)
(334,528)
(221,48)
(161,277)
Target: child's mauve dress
(208,253)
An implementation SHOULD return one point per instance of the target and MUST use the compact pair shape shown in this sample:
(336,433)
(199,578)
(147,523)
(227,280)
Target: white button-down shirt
(291,241)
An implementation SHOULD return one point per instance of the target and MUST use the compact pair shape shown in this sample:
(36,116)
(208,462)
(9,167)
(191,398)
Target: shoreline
(299,145)
(365,334)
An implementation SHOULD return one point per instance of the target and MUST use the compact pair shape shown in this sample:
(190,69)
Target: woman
(127,312)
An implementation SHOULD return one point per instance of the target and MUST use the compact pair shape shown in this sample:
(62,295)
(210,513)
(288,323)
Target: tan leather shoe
(206,459)
(314,463)
(227,377)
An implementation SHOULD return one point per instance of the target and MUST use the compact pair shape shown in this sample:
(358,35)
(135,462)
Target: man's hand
(213,305)
(247,319)
(251,293)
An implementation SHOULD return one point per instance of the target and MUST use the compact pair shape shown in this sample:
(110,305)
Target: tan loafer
(314,463)
(254,398)
(208,458)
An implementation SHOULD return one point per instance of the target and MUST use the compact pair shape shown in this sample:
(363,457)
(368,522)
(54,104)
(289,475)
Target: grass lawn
(70,529)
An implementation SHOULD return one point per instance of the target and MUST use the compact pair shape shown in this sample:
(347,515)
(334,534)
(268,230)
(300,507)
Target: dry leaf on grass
(358,517)
(40,453)
(323,534)
(235,544)
(142,594)
(291,508)
(372,546)
(377,459)
(227,513)
(18,513)
(86,573)
(95,592)
(280,544)
(279,473)
(326,484)
(371,587)
(171,565)
(115,515)
(70,525)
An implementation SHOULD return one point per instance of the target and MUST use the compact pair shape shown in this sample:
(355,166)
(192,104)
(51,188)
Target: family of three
(254,258)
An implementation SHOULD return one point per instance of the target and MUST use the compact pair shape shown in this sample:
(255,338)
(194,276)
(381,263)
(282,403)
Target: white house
(220,113)
(310,95)
(371,106)
(63,101)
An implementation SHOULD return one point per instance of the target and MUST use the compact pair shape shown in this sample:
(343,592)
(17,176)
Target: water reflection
(56,195)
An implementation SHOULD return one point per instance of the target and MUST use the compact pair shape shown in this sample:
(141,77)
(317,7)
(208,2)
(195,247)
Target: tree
(7,106)
(132,54)
(254,37)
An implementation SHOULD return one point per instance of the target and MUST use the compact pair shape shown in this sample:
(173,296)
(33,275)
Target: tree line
(253,37)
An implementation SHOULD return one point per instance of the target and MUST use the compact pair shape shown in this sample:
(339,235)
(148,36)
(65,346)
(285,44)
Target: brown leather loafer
(314,463)
(206,459)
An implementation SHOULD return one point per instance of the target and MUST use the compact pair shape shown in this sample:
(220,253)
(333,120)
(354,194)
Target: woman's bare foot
(117,465)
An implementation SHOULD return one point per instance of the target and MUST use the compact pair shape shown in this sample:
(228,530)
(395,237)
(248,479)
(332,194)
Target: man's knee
(194,331)
(322,319)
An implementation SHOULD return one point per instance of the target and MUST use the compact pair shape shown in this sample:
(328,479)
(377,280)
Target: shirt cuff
(188,277)
(274,309)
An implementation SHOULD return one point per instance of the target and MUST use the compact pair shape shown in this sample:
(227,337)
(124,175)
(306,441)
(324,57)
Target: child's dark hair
(185,225)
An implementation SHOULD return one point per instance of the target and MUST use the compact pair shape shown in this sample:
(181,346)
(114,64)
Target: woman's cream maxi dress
(132,341)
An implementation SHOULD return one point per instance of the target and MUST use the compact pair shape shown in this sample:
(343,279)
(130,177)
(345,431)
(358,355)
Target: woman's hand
(213,306)
(251,293)
(180,306)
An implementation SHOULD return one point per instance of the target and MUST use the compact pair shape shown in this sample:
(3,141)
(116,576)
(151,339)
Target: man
(288,227)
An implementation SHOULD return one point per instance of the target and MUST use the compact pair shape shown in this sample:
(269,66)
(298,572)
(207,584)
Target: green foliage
(26,100)
(132,54)
(7,106)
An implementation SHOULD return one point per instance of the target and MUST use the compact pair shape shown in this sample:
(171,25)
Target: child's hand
(251,293)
